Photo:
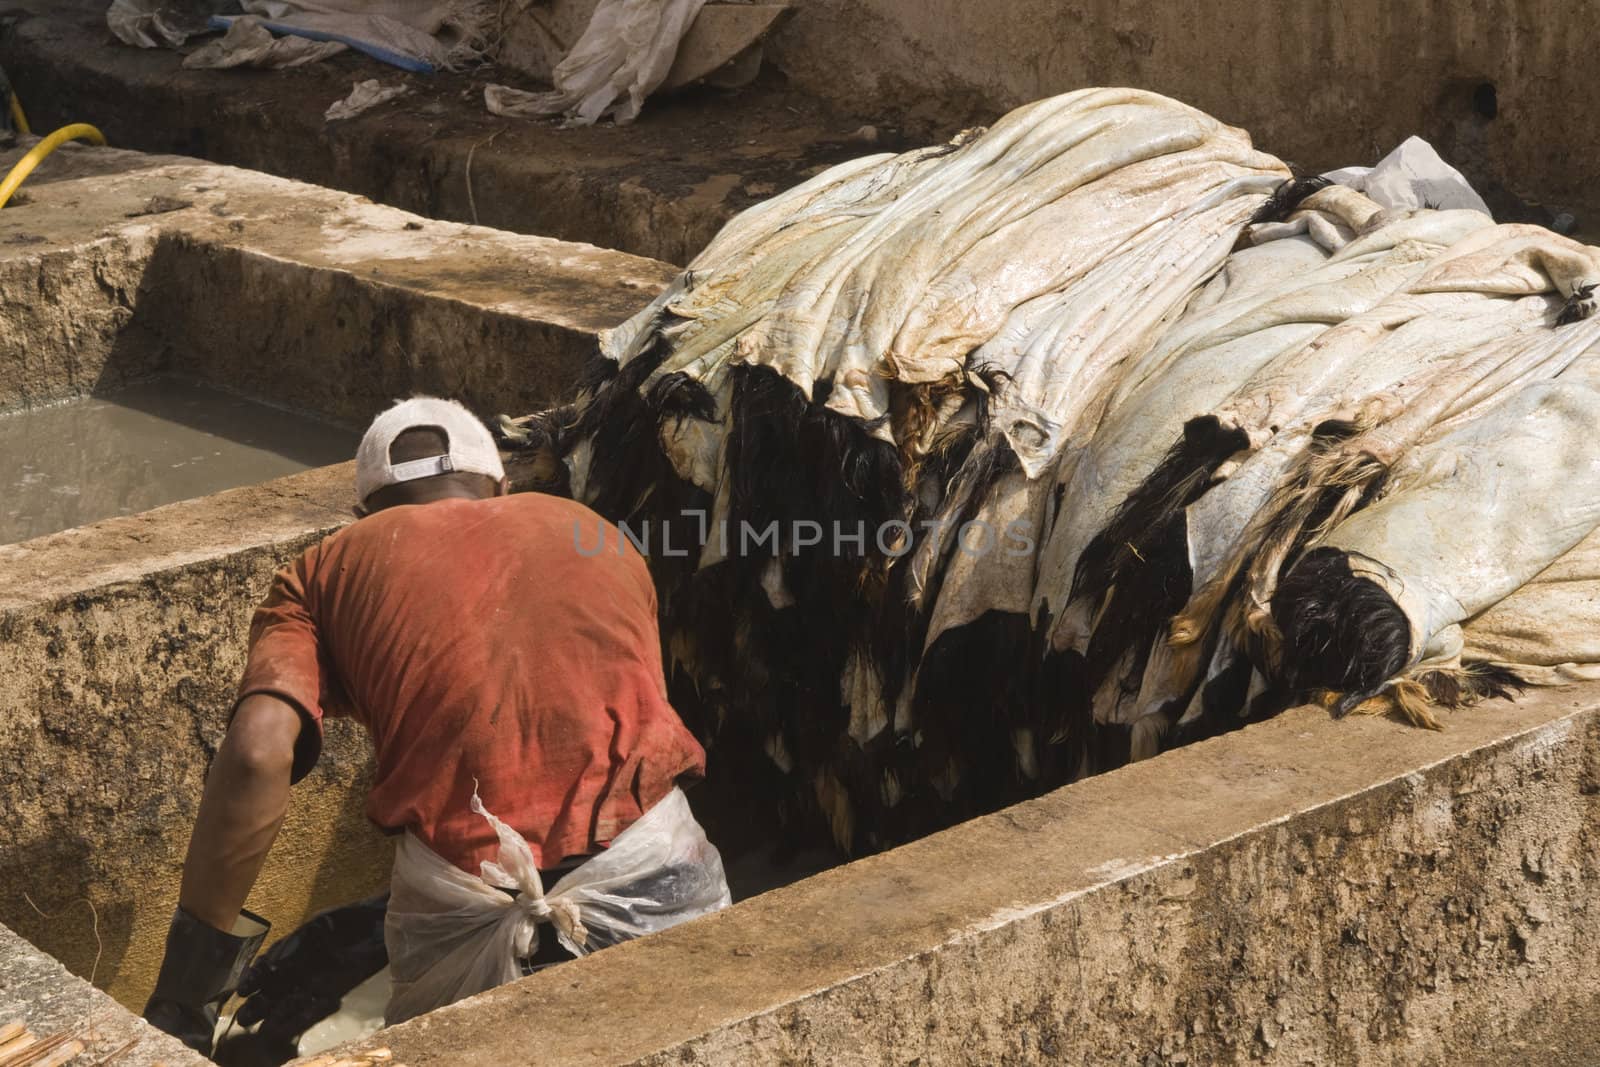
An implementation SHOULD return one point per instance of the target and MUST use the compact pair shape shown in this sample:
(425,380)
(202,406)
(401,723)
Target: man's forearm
(246,795)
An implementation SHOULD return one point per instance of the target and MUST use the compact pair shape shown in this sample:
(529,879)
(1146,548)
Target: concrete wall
(63,315)
(123,265)
(1304,891)
(120,646)
(1320,82)
(39,993)
(659,189)
(332,342)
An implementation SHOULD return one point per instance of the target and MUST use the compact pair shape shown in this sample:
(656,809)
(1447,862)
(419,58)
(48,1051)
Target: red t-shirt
(482,640)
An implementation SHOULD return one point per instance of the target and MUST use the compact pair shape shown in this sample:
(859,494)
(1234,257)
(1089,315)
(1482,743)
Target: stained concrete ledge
(660,188)
(120,264)
(38,992)
(1304,891)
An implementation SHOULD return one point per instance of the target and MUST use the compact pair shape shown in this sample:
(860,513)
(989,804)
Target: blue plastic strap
(378,52)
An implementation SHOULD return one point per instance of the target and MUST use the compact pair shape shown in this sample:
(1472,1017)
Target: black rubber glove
(300,981)
(200,970)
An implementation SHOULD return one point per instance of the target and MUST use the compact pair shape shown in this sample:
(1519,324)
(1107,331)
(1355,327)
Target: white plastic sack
(451,935)
(1412,176)
(364,96)
(623,56)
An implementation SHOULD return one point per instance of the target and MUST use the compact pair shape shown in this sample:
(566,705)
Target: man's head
(422,450)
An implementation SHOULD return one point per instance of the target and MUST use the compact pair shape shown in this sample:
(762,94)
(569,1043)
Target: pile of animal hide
(969,471)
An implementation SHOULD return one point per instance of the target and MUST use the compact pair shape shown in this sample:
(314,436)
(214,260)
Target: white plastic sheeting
(622,57)
(248,43)
(364,96)
(419,35)
(1410,178)
(155,23)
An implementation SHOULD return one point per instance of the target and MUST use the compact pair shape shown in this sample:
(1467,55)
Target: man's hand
(247,793)
(300,981)
(212,940)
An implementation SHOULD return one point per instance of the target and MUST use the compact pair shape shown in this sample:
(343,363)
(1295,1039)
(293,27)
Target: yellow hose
(81,131)
(18,119)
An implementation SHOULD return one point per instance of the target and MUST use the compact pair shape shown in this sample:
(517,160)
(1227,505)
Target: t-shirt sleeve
(288,659)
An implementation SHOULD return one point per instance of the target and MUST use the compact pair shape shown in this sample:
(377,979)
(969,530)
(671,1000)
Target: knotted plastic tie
(564,915)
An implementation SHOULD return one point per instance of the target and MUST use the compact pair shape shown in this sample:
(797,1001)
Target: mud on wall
(345,347)
(1495,84)
(318,340)
(64,315)
(1492,83)
(112,703)
(1442,918)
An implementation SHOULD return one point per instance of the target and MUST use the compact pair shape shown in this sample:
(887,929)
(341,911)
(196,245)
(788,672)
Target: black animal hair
(1136,570)
(1341,632)
(1142,519)
(1579,306)
(1223,699)
(679,396)
(1287,197)
(1470,683)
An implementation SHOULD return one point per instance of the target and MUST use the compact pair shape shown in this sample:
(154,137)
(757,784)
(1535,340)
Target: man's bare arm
(246,795)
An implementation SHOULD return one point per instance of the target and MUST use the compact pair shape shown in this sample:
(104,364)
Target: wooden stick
(62,1056)
(15,1044)
(35,1051)
(119,1052)
(9,1031)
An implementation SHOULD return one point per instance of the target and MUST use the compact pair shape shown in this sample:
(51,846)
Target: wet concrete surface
(138,448)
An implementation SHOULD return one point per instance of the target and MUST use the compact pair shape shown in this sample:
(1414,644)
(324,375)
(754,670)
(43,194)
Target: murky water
(145,446)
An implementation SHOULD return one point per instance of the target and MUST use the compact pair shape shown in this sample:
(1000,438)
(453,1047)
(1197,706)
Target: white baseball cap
(468,445)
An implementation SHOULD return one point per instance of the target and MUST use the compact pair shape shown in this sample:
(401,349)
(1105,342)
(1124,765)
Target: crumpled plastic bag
(163,23)
(623,56)
(248,43)
(363,97)
(416,35)
(451,935)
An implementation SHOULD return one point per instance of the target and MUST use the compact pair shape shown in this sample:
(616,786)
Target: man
(498,669)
